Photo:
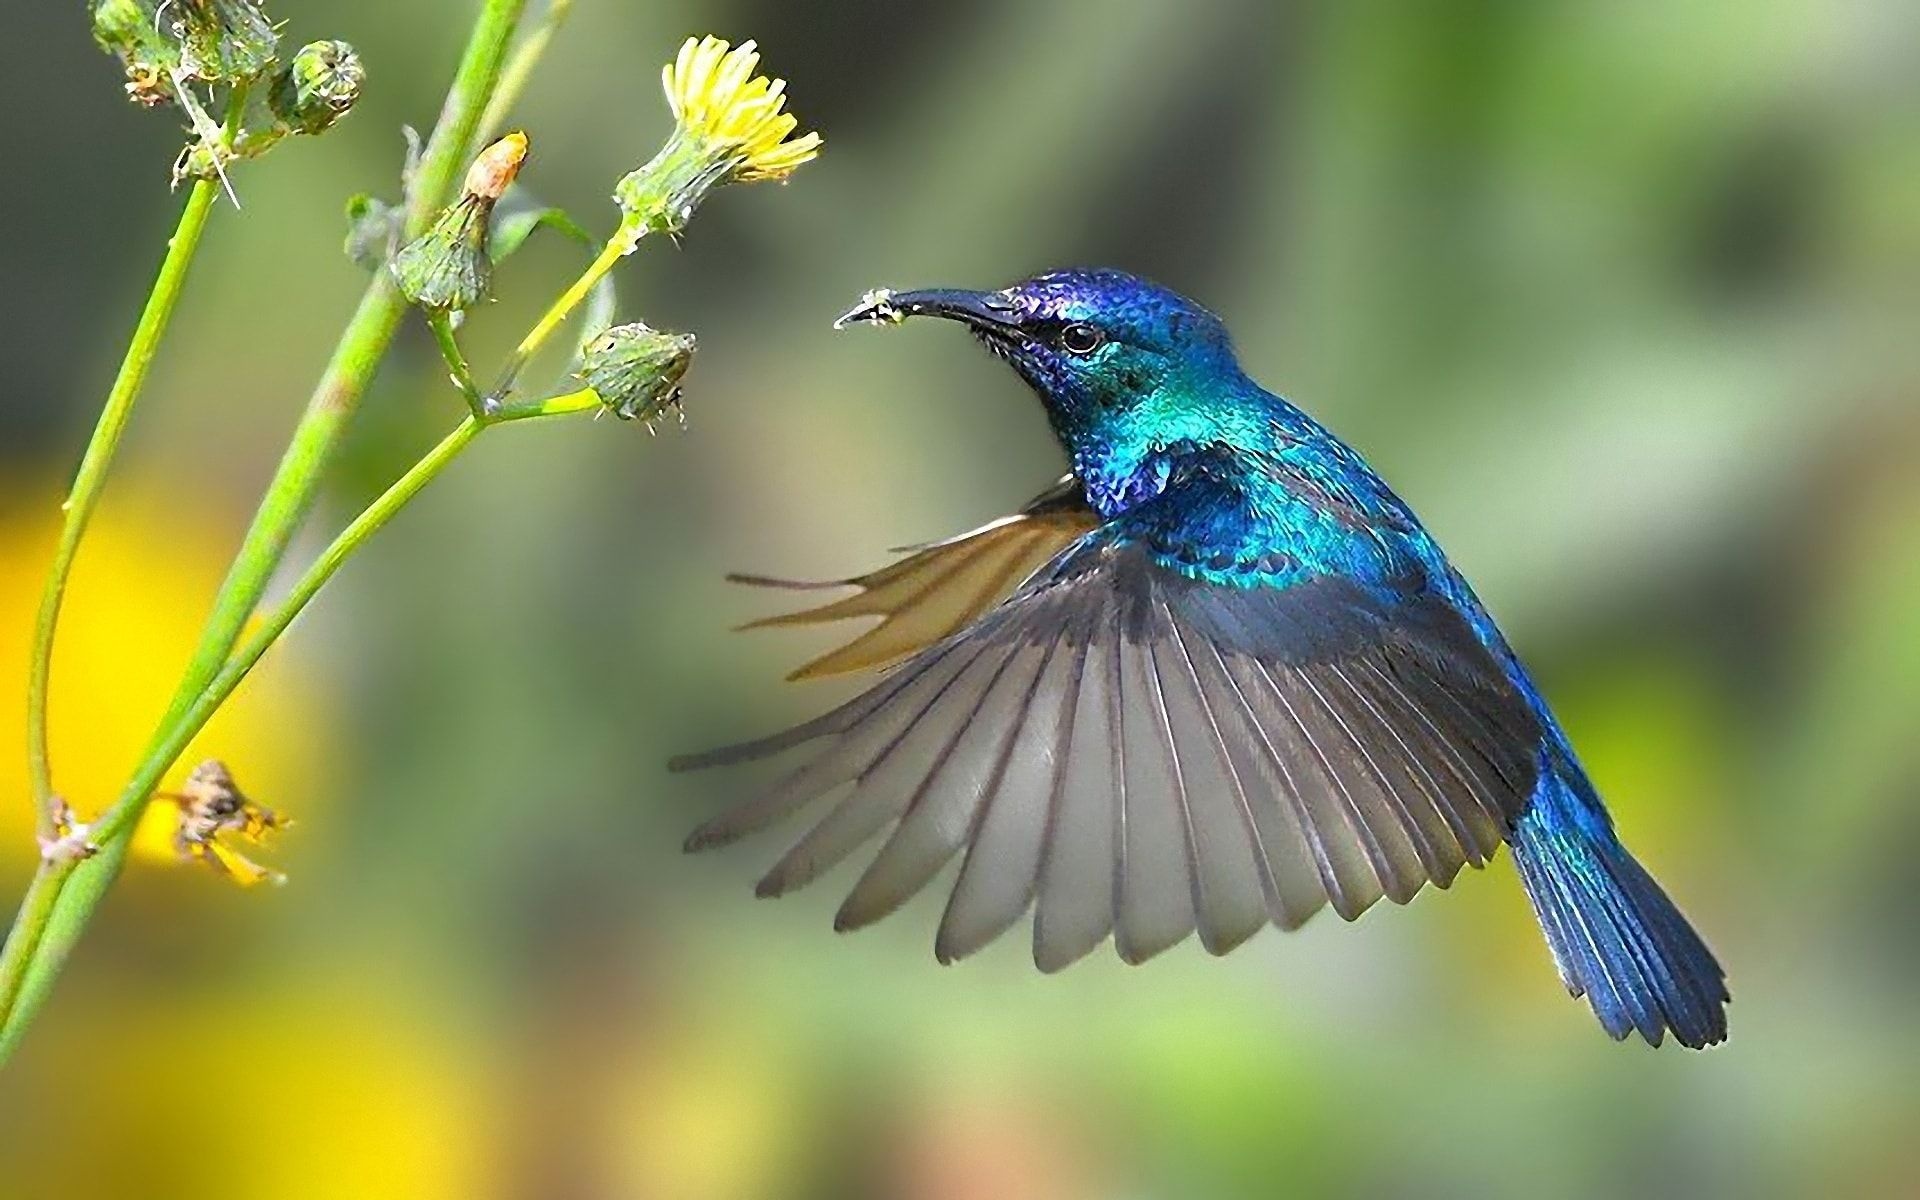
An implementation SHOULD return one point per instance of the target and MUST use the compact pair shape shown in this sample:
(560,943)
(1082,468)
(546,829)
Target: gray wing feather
(1001,870)
(883,790)
(1154,907)
(1230,888)
(1131,752)
(941,815)
(1075,908)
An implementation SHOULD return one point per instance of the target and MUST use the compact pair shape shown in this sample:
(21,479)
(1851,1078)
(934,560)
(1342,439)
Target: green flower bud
(635,370)
(308,95)
(447,268)
(130,30)
(125,26)
(222,41)
(317,87)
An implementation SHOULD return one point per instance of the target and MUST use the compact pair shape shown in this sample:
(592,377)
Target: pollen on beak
(990,312)
(875,308)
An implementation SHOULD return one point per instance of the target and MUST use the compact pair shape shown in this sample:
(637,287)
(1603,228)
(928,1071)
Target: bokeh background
(1624,297)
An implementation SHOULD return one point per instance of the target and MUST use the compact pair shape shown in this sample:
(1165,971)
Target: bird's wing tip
(750,579)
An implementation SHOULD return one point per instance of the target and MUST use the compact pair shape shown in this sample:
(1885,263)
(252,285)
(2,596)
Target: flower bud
(222,41)
(635,370)
(496,167)
(130,30)
(307,96)
(447,268)
(317,87)
(126,26)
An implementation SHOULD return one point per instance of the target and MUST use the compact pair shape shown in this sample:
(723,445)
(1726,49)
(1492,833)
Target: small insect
(212,805)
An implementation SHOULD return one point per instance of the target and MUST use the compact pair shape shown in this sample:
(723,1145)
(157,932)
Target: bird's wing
(1131,751)
(942,587)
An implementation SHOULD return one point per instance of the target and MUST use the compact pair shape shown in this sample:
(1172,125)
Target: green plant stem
(119,820)
(29,925)
(618,246)
(583,400)
(47,932)
(90,481)
(513,80)
(443,335)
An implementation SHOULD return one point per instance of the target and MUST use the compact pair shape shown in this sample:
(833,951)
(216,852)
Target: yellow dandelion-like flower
(717,98)
(730,126)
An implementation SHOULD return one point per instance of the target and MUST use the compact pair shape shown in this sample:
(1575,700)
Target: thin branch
(450,353)
(90,481)
(526,55)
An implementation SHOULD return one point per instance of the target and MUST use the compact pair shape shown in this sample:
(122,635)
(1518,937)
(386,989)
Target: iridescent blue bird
(1216,678)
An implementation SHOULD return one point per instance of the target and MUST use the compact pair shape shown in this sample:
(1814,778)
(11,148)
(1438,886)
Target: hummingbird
(1216,678)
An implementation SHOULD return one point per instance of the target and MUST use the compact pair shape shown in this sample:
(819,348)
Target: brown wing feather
(939,588)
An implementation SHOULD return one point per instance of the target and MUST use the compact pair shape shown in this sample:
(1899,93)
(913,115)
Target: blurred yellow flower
(716,97)
(710,1114)
(337,1082)
(139,592)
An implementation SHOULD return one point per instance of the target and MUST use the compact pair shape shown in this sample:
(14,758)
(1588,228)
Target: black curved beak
(985,312)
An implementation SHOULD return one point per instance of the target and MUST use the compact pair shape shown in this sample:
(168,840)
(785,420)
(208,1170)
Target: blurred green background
(1624,297)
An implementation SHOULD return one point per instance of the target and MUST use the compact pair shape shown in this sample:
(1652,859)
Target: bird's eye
(1081,338)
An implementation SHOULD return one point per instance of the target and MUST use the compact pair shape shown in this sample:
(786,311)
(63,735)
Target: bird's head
(1101,347)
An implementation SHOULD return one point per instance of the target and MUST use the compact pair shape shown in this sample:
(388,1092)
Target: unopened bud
(447,268)
(495,168)
(317,87)
(121,26)
(636,370)
(130,30)
(221,41)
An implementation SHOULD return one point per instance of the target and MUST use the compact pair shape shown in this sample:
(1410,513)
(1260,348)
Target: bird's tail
(1615,936)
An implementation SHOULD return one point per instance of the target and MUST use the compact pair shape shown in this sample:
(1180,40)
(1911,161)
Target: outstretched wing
(942,587)
(1133,752)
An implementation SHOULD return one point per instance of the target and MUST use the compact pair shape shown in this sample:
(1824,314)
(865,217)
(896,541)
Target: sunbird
(1217,677)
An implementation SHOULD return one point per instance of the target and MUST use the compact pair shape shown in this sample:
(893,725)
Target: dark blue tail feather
(1615,936)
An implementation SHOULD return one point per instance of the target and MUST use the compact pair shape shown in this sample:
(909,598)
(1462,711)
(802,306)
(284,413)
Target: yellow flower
(717,98)
(729,127)
(347,1080)
(139,593)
